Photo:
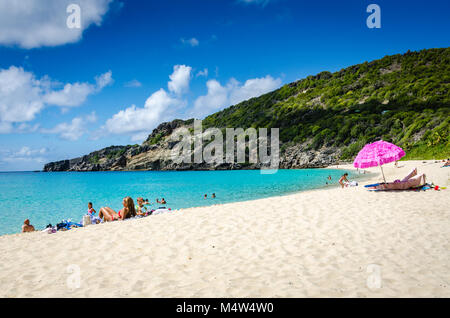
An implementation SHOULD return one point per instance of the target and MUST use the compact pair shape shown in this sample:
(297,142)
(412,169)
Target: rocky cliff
(156,154)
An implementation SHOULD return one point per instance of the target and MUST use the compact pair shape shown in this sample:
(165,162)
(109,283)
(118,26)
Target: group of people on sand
(129,209)
(107,214)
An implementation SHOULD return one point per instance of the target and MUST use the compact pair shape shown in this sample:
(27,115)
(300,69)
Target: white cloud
(5,127)
(104,80)
(253,88)
(26,151)
(219,96)
(23,96)
(25,154)
(202,73)
(73,130)
(140,121)
(26,128)
(75,94)
(179,79)
(258,2)
(216,98)
(34,23)
(133,83)
(192,42)
(71,95)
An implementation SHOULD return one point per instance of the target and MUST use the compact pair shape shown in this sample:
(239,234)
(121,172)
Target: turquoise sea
(51,197)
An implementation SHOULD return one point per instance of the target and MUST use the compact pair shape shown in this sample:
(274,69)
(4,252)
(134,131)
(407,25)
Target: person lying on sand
(27,227)
(128,211)
(343,181)
(447,164)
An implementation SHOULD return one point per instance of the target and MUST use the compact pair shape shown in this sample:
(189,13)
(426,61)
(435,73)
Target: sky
(69,88)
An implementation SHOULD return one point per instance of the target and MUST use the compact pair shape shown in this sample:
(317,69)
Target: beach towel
(49,230)
(160,211)
(67,225)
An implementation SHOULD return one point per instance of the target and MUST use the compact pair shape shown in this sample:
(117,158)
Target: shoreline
(315,243)
(359,178)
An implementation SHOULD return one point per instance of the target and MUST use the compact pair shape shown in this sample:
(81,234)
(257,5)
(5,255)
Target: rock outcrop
(156,154)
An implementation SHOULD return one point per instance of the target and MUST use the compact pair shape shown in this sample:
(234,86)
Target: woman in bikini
(128,211)
(343,181)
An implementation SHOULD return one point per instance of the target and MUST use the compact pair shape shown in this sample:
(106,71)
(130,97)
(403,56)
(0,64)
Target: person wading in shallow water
(343,181)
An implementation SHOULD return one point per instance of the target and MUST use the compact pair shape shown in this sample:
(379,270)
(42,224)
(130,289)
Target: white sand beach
(323,243)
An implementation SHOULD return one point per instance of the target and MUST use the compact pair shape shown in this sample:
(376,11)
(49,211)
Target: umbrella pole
(381,166)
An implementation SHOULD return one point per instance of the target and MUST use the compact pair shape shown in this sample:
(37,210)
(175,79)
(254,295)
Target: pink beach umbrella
(377,154)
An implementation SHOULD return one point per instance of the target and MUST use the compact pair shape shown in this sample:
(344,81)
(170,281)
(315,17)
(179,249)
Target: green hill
(403,99)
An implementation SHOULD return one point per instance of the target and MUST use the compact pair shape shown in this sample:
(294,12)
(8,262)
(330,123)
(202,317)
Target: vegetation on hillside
(402,99)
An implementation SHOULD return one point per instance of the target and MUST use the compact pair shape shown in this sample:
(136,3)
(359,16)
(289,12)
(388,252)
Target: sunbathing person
(27,227)
(410,181)
(447,164)
(128,211)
